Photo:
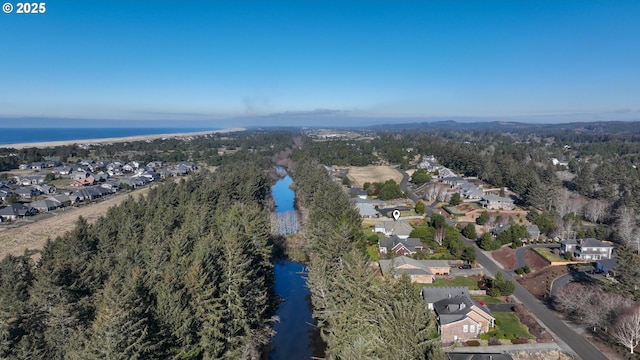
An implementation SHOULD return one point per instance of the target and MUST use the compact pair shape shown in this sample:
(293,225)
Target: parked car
(465,266)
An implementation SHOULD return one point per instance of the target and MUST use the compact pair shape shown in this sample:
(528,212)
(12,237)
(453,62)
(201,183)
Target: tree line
(184,273)
(359,316)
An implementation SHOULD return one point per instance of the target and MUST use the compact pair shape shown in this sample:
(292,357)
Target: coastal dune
(49,144)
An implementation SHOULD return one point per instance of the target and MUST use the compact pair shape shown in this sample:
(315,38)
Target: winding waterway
(296,337)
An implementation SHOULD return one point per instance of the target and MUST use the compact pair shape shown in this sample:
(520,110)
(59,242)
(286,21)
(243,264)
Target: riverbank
(182,136)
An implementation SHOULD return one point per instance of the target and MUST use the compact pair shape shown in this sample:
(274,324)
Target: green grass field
(548,254)
(372,251)
(488,299)
(508,325)
(470,282)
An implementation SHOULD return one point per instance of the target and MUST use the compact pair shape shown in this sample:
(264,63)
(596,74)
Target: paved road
(576,342)
(573,340)
(574,275)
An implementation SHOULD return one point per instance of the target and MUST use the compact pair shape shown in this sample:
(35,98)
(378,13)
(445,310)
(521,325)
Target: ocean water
(29,135)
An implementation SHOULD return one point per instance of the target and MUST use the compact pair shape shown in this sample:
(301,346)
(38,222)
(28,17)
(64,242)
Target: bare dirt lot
(538,282)
(535,261)
(506,256)
(15,240)
(363,174)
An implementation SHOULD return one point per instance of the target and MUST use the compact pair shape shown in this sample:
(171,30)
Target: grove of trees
(184,272)
(359,316)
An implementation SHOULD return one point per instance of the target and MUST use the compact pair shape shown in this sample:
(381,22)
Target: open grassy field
(15,240)
(363,174)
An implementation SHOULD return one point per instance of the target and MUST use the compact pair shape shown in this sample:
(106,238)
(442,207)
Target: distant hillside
(600,127)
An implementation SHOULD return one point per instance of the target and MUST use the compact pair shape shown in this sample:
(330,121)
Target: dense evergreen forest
(359,316)
(183,273)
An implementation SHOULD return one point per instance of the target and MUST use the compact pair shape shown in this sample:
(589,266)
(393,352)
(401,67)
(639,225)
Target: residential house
(444,173)
(4,194)
(128,167)
(111,186)
(400,247)
(16,211)
(91,193)
(154,164)
(358,192)
(185,167)
(88,181)
(150,175)
(586,249)
(67,199)
(532,230)
(459,317)
(415,269)
(47,204)
(495,202)
(46,189)
(27,192)
(366,211)
(101,176)
(399,228)
(133,182)
(80,174)
(29,180)
(420,271)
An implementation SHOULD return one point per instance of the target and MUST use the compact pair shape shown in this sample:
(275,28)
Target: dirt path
(16,240)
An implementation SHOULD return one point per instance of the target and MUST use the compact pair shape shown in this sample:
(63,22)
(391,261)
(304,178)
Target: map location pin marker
(396,214)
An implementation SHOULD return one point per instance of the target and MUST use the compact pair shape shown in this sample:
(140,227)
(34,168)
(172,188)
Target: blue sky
(303,62)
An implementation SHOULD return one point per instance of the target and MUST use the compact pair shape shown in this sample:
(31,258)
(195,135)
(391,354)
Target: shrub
(517,341)
(494,341)
(472,343)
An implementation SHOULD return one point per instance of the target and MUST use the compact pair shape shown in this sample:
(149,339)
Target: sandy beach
(120,139)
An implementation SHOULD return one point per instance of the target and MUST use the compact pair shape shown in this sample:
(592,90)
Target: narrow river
(296,337)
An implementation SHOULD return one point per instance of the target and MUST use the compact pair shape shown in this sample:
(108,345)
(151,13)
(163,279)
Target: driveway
(579,275)
(467,272)
(500,307)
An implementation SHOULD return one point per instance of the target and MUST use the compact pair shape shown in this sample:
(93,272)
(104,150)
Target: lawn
(508,325)
(60,182)
(488,299)
(549,255)
(471,282)
(372,251)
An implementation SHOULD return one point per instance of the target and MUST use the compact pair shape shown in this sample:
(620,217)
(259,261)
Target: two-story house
(586,249)
(459,317)
(495,202)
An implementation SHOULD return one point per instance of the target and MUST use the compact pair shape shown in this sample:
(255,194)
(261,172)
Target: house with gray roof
(358,192)
(495,202)
(459,317)
(398,246)
(586,249)
(399,228)
(15,211)
(366,211)
(47,204)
